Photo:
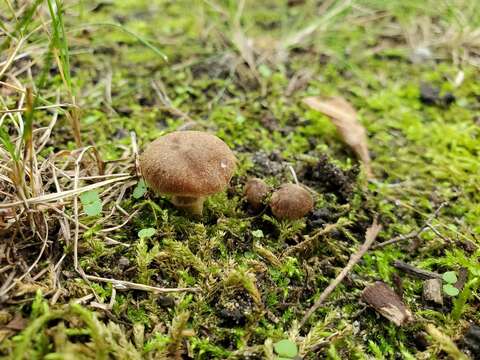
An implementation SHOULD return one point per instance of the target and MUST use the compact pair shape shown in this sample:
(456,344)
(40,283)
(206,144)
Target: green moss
(423,155)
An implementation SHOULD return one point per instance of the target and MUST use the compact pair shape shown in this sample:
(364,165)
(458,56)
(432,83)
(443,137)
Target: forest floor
(85,247)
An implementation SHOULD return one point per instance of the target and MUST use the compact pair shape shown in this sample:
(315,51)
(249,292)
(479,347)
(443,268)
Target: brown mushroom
(189,166)
(256,190)
(291,202)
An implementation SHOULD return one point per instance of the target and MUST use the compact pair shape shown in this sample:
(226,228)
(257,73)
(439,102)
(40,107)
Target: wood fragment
(398,285)
(462,278)
(387,303)
(432,291)
(416,272)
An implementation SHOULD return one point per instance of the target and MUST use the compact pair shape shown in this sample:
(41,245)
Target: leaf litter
(345,118)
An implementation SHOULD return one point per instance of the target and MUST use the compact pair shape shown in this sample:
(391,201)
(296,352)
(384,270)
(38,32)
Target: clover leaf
(286,348)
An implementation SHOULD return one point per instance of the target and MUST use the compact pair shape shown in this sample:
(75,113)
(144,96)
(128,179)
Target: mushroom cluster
(188,166)
(191,165)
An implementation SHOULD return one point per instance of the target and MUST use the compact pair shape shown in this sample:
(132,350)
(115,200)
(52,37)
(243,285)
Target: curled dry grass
(39,189)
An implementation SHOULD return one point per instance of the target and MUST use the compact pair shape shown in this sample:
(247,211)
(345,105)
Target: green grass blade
(143,41)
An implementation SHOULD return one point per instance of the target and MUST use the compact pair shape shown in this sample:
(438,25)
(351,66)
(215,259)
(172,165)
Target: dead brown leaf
(17,323)
(344,117)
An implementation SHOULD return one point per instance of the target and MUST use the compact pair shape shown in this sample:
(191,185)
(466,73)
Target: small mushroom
(291,202)
(256,190)
(189,166)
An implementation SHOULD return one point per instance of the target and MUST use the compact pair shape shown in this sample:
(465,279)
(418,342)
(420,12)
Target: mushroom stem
(191,205)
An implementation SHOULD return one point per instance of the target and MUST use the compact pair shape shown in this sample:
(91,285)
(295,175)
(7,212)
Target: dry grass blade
(328,13)
(63,194)
(344,117)
(127,285)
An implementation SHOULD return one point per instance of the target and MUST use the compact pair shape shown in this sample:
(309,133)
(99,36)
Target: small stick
(127,285)
(415,233)
(370,237)
(133,139)
(399,238)
(462,278)
(416,272)
(294,174)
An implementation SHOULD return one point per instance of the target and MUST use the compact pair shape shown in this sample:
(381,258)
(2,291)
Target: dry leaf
(344,117)
(17,323)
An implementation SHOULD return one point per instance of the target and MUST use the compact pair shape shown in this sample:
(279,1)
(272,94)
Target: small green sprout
(92,205)
(285,349)
(258,234)
(146,233)
(140,189)
(450,278)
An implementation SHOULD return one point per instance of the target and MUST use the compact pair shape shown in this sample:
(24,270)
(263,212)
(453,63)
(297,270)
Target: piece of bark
(432,291)
(462,278)
(416,272)
(398,285)
(387,303)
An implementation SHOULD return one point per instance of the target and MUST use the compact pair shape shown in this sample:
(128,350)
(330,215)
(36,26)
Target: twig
(370,237)
(133,139)
(415,233)
(414,271)
(294,174)
(127,285)
(436,232)
(399,238)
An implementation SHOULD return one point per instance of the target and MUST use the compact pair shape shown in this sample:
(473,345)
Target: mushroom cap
(291,202)
(188,163)
(255,191)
